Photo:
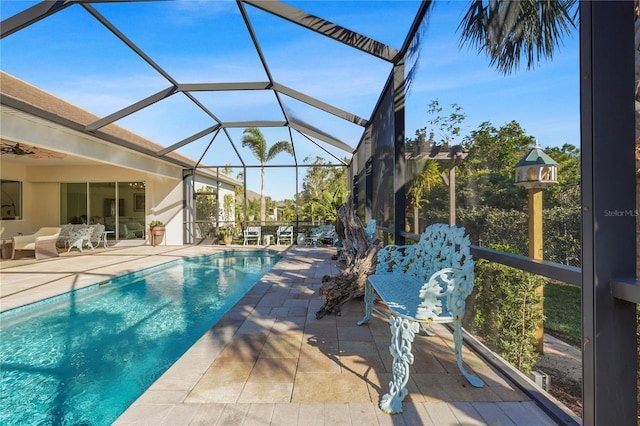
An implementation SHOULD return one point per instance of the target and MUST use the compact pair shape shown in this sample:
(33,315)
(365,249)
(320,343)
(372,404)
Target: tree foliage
(324,190)
(506,311)
(495,211)
(206,204)
(486,175)
(509,31)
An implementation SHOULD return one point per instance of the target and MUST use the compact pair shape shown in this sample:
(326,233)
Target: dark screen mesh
(382,164)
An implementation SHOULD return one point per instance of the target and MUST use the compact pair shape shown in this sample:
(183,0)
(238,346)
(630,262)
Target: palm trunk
(263,207)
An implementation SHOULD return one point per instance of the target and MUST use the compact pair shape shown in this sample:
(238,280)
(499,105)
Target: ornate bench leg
(369,297)
(402,334)
(457,338)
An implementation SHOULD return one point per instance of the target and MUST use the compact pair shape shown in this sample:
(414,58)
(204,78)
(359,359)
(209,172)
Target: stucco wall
(41,181)
(41,195)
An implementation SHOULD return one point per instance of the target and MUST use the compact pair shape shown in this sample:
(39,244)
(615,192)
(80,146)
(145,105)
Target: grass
(562,303)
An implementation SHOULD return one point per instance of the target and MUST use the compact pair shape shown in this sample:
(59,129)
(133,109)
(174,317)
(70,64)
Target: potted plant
(156,231)
(226,233)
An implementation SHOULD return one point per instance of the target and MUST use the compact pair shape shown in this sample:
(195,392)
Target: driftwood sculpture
(361,257)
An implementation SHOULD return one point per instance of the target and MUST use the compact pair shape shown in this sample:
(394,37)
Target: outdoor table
(103,239)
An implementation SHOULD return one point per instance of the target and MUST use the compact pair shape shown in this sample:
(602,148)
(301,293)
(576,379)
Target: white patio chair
(81,238)
(252,233)
(284,233)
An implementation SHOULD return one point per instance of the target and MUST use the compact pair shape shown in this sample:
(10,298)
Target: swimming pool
(82,358)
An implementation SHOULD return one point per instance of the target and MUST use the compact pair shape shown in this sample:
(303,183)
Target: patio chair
(42,243)
(284,233)
(252,233)
(371,229)
(96,235)
(81,238)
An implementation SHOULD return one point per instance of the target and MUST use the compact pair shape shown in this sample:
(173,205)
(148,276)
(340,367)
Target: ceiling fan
(30,151)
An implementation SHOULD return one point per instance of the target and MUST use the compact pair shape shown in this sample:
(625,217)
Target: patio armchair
(284,233)
(252,233)
(80,238)
(42,243)
(96,235)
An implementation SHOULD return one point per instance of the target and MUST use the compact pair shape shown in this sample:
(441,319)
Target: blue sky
(74,57)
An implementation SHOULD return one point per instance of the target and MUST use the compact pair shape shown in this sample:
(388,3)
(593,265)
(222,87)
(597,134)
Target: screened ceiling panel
(310,147)
(193,41)
(172,119)
(240,105)
(322,121)
(192,75)
(324,72)
(389,28)
(214,148)
(85,64)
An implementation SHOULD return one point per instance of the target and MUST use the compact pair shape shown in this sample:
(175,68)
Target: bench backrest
(440,246)
(324,231)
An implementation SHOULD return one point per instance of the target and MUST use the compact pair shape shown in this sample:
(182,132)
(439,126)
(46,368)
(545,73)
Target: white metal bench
(323,233)
(421,283)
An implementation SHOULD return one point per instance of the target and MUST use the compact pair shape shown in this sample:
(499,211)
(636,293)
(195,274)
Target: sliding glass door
(120,206)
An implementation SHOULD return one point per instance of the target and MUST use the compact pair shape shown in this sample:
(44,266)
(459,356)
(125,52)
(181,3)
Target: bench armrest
(433,292)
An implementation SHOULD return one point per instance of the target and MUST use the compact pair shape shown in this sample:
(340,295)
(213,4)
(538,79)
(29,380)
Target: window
(11,199)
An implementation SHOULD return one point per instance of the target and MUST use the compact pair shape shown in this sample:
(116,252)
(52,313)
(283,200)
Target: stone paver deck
(269,361)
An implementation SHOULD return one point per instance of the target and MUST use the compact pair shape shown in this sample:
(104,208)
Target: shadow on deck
(269,361)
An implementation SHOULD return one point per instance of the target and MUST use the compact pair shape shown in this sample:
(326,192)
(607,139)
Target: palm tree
(420,186)
(255,141)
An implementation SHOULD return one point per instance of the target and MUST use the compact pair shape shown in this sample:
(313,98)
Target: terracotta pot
(157,232)
(227,239)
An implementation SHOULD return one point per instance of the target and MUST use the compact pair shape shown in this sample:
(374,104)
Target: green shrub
(506,311)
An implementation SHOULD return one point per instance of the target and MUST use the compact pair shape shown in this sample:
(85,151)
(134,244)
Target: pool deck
(269,361)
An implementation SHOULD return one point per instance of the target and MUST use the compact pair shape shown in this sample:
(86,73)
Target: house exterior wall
(164,185)
(41,184)
(41,195)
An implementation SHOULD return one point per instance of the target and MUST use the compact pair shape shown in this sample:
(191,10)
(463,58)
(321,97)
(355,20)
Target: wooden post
(452,195)
(536,251)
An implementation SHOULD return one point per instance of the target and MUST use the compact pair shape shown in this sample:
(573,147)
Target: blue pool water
(84,357)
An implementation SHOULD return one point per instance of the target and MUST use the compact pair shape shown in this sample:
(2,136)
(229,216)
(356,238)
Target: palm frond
(508,31)
(277,148)
(253,139)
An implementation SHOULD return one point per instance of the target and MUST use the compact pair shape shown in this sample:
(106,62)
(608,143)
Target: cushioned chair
(42,243)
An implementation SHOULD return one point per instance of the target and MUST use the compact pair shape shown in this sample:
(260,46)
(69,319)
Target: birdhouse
(536,170)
